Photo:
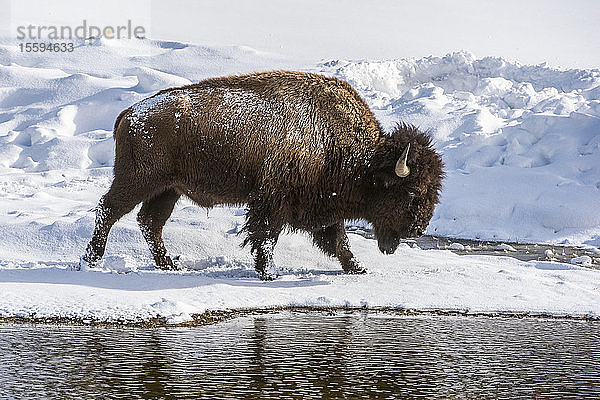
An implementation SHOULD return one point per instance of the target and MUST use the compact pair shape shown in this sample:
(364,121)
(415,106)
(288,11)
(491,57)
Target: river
(308,355)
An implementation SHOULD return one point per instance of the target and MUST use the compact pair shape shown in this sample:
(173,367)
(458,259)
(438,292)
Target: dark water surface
(306,355)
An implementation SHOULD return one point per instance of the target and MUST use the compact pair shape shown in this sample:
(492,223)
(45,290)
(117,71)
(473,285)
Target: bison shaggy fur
(302,151)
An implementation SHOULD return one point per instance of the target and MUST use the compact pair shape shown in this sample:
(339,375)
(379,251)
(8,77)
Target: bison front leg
(263,232)
(152,218)
(334,242)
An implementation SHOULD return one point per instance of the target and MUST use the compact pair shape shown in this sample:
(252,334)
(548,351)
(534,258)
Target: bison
(302,151)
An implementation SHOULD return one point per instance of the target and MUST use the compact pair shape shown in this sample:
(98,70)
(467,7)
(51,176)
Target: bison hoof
(270,275)
(353,267)
(356,271)
(167,264)
(167,267)
(266,277)
(84,264)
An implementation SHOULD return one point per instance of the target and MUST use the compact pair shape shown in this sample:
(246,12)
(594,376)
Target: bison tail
(118,121)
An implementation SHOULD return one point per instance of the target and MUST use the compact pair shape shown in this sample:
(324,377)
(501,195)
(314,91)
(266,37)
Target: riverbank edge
(215,316)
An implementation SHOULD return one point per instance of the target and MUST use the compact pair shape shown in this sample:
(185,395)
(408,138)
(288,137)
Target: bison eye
(412,195)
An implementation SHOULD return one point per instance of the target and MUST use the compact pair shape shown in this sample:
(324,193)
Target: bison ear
(402,169)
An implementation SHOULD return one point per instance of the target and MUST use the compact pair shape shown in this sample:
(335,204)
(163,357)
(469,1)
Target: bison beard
(302,151)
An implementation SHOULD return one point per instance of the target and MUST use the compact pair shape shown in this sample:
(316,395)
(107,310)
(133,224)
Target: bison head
(404,183)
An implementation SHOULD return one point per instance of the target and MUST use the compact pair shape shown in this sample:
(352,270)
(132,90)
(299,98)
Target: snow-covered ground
(521,145)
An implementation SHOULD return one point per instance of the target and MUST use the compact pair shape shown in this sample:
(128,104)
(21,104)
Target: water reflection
(311,356)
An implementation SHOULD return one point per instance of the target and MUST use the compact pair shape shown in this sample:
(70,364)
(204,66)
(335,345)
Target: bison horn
(402,169)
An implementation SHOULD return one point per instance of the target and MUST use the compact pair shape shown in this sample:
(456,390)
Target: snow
(414,278)
(582,260)
(505,247)
(521,145)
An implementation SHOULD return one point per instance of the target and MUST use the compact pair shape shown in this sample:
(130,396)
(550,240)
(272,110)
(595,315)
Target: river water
(311,355)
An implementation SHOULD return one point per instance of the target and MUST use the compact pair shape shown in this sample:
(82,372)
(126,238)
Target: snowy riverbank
(521,146)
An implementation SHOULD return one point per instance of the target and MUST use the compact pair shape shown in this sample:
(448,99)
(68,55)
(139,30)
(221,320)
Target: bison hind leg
(152,218)
(334,242)
(119,201)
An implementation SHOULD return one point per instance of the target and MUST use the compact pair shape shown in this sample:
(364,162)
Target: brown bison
(302,151)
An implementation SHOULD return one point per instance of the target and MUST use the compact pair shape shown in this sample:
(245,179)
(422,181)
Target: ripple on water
(306,355)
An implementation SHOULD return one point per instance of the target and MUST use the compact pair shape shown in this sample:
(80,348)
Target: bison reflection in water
(302,150)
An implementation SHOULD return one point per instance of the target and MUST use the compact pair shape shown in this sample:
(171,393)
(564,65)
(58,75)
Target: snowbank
(521,146)
(410,279)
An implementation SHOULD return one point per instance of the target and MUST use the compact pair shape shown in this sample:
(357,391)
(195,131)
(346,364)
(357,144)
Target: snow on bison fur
(302,151)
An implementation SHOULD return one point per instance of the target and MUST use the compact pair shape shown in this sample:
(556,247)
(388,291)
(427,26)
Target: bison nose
(387,249)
